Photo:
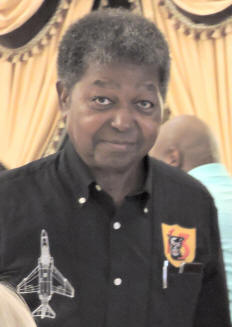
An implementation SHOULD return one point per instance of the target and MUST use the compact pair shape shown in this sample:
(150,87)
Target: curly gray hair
(112,35)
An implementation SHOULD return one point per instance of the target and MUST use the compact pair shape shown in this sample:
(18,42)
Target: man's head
(185,142)
(110,36)
(113,71)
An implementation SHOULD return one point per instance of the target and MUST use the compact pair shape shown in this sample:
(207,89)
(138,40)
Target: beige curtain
(201,74)
(203,7)
(28,108)
(14,13)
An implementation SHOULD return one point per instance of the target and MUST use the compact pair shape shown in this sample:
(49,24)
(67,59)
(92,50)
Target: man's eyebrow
(105,84)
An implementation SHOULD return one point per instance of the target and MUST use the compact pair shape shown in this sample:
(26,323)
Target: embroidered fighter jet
(49,280)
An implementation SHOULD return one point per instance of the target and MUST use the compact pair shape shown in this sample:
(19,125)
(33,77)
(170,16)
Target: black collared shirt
(113,257)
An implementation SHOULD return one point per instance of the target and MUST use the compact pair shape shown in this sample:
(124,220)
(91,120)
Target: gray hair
(112,35)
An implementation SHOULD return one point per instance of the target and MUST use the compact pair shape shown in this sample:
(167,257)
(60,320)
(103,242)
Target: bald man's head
(185,142)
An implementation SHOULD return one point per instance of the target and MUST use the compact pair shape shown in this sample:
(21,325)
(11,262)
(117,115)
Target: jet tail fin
(44,311)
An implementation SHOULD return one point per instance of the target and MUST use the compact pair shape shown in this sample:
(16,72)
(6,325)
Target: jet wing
(28,285)
(61,285)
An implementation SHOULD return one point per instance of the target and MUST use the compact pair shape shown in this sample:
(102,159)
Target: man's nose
(123,119)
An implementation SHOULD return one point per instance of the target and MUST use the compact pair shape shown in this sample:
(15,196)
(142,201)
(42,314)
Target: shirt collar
(148,180)
(147,186)
(76,173)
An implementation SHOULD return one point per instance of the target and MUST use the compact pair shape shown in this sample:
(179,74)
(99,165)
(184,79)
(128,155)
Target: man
(186,142)
(122,230)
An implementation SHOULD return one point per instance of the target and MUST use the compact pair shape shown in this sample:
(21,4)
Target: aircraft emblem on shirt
(45,280)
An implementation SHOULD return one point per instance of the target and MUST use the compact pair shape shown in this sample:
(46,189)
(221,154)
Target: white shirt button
(117,281)
(117,225)
(98,187)
(82,200)
(145,210)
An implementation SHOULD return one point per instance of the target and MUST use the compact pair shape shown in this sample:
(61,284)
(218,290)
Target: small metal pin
(165,274)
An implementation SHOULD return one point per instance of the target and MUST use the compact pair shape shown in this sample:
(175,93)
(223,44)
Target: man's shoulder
(31,171)
(176,177)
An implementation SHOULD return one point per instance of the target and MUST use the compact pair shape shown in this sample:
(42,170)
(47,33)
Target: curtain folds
(14,13)
(29,111)
(183,23)
(201,76)
(203,7)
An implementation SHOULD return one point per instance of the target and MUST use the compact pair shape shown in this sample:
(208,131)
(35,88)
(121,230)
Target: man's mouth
(119,144)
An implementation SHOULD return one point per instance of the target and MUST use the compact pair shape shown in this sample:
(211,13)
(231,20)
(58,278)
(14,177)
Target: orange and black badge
(179,244)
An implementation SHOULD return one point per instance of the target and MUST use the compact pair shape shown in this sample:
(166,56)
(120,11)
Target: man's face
(113,115)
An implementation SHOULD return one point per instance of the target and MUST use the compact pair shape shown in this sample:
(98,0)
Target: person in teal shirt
(186,142)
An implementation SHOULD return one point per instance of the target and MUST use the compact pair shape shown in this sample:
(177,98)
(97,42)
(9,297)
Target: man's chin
(118,164)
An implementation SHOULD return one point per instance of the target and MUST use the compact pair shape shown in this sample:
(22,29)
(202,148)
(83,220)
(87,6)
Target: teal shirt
(219,183)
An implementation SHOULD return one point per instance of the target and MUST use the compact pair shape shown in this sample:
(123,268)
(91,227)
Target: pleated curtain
(29,111)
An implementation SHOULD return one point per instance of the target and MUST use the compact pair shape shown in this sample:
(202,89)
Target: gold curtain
(201,74)
(203,7)
(14,13)
(28,108)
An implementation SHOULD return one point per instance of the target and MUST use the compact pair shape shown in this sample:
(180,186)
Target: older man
(136,240)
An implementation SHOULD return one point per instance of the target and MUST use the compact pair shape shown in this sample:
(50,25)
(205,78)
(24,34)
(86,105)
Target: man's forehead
(106,83)
(96,67)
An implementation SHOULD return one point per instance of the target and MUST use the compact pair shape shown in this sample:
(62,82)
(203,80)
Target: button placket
(116,234)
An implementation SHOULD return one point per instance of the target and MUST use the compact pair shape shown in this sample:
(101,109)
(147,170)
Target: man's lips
(119,144)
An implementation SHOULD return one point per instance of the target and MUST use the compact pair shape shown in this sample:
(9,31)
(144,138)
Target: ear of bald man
(173,156)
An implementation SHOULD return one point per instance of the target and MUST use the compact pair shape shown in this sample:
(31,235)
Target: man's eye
(102,100)
(145,105)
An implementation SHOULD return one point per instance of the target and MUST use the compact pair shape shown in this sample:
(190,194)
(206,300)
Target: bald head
(185,142)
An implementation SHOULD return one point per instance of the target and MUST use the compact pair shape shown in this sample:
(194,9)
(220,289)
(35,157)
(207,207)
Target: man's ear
(64,97)
(174,157)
